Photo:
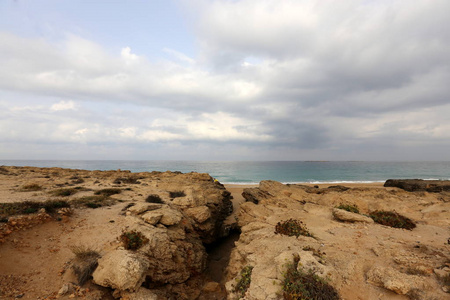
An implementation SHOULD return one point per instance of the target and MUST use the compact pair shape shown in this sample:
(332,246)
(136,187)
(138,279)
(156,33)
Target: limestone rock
(200,214)
(394,280)
(173,255)
(346,216)
(141,207)
(121,269)
(152,217)
(169,216)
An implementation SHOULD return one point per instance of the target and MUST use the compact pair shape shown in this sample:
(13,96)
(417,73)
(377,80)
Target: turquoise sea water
(247,172)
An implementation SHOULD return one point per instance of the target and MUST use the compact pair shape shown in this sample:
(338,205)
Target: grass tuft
(32,187)
(244,281)
(93,201)
(133,240)
(108,192)
(85,263)
(392,219)
(64,192)
(292,227)
(154,199)
(300,285)
(176,194)
(349,208)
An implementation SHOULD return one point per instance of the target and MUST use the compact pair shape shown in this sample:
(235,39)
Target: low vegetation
(93,201)
(292,227)
(29,207)
(64,192)
(243,282)
(32,187)
(133,240)
(349,208)
(392,219)
(108,192)
(85,262)
(154,199)
(127,180)
(300,285)
(176,194)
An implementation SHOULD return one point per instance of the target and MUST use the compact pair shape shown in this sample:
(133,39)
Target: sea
(252,172)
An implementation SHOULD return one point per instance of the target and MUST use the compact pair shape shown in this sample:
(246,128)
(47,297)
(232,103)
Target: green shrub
(177,194)
(133,240)
(154,199)
(108,192)
(292,227)
(244,281)
(392,219)
(349,207)
(300,285)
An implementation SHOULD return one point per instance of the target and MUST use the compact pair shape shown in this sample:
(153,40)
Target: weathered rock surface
(394,280)
(344,252)
(200,214)
(346,216)
(414,185)
(121,269)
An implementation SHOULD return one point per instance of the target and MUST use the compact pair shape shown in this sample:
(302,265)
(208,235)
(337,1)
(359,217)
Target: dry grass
(85,262)
(64,192)
(32,187)
(108,192)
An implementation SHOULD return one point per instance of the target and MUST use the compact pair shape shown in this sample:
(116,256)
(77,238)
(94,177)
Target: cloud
(309,79)
(63,105)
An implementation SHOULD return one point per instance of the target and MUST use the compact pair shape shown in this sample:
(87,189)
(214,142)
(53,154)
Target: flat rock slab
(346,216)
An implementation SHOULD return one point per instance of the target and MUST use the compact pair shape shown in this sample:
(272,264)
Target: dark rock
(415,185)
(255,195)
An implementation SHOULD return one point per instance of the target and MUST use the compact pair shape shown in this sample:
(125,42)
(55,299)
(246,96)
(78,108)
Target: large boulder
(121,269)
(173,255)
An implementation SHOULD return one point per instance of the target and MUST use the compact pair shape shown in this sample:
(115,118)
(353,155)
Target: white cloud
(63,105)
(129,57)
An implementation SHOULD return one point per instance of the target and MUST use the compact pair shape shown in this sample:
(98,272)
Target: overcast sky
(225,80)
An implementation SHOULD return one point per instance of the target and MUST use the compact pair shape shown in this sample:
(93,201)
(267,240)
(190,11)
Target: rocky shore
(77,234)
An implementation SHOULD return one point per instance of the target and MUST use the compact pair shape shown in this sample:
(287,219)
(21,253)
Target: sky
(225,80)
